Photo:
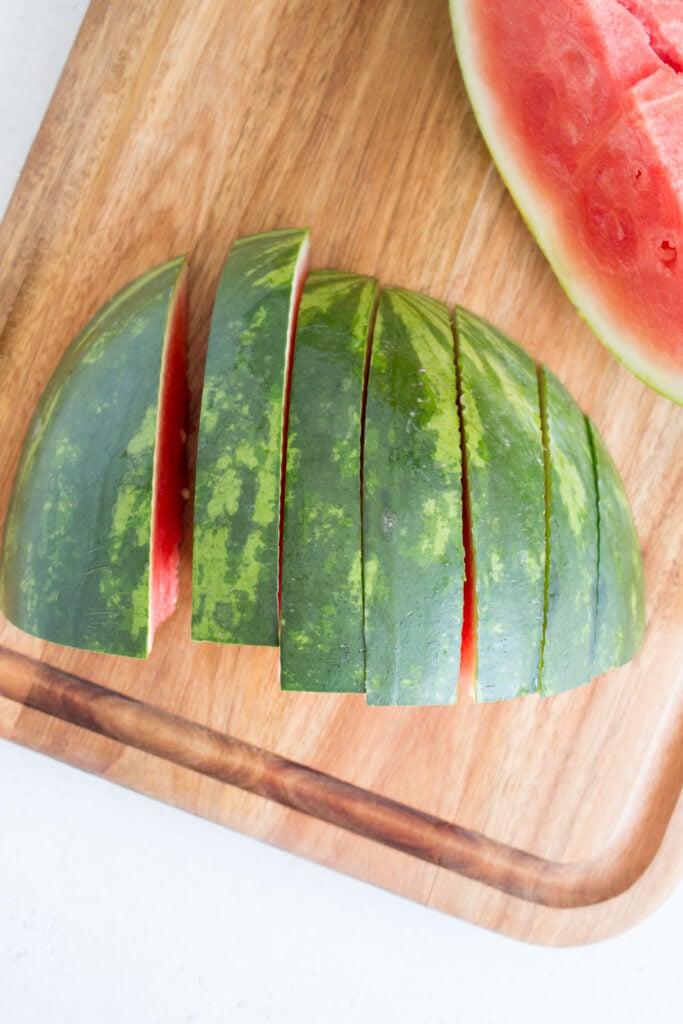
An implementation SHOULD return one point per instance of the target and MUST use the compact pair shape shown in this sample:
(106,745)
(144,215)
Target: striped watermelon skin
(572,552)
(413,552)
(237,491)
(506,485)
(321,630)
(620,616)
(75,564)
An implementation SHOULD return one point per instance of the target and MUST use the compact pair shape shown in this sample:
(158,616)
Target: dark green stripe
(321,639)
(412,506)
(237,495)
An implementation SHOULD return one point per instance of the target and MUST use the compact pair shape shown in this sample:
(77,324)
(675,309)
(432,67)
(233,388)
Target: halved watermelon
(581,105)
(90,553)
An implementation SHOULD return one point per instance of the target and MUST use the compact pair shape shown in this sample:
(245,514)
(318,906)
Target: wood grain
(176,127)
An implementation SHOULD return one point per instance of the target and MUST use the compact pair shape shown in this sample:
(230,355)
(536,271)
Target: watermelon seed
(667,253)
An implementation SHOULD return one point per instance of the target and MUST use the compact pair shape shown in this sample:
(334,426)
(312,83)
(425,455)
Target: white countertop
(115,908)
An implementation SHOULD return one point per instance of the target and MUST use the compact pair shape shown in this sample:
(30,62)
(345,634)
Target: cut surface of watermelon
(580,103)
(236,549)
(413,558)
(169,468)
(321,625)
(90,553)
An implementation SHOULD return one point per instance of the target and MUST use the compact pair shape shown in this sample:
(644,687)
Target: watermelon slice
(505,480)
(235,573)
(90,553)
(572,540)
(581,105)
(412,506)
(321,627)
(620,615)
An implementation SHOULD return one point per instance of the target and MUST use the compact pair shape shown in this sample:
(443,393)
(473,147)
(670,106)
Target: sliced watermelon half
(90,551)
(580,103)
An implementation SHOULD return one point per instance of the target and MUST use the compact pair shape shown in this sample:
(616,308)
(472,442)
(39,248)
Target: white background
(114,908)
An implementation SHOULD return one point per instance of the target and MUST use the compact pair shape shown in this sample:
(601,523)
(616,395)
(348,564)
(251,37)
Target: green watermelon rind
(322,644)
(75,567)
(541,218)
(237,491)
(506,488)
(413,555)
(572,540)
(620,616)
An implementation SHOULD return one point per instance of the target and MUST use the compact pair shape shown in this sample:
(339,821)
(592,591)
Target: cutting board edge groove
(513,871)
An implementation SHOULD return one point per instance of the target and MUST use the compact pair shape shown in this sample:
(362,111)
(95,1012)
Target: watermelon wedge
(413,558)
(90,552)
(581,103)
(505,486)
(620,614)
(235,575)
(321,626)
(572,540)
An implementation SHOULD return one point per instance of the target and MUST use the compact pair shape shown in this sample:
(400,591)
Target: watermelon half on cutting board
(581,105)
(90,554)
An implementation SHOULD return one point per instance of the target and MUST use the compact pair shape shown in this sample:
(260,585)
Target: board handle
(234,762)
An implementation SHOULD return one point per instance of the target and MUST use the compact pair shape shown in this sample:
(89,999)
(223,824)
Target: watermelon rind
(588,285)
(75,566)
(321,627)
(237,492)
(620,616)
(413,555)
(506,489)
(572,540)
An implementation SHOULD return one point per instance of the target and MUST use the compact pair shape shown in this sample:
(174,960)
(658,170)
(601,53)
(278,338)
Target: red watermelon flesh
(468,647)
(661,19)
(580,103)
(169,469)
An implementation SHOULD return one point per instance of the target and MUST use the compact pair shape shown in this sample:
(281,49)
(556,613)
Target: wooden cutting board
(177,126)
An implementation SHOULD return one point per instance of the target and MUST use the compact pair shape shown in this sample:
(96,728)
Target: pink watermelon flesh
(581,104)
(169,469)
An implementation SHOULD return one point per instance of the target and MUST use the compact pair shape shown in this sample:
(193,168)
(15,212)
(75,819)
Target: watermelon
(413,556)
(321,628)
(90,550)
(620,615)
(235,572)
(505,478)
(571,540)
(581,103)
